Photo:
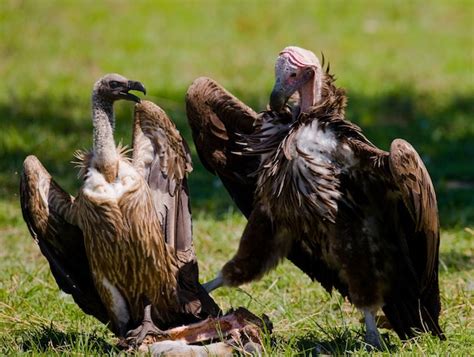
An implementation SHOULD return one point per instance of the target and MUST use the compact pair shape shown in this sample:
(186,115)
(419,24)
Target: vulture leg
(147,327)
(214,284)
(372,336)
(259,251)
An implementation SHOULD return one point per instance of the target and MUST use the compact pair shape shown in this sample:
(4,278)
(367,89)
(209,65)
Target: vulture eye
(293,74)
(114,84)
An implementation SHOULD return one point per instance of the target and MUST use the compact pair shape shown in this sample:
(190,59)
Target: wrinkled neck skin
(105,153)
(310,93)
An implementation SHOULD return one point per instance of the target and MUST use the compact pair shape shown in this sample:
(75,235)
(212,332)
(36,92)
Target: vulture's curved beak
(279,97)
(134,85)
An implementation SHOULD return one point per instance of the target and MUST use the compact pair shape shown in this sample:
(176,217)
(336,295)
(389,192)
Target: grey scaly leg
(214,283)
(135,337)
(372,336)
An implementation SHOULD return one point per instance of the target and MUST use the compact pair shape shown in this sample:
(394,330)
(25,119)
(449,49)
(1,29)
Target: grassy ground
(408,69)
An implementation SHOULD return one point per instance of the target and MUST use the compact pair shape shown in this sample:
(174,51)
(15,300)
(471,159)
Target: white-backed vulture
(315,190)
(123,247)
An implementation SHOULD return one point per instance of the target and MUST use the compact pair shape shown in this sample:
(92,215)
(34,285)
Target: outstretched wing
(162,156)
(47,211)
(218,120)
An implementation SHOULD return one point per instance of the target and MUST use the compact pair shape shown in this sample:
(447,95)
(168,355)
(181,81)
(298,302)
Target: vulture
(315,190)
(123,246)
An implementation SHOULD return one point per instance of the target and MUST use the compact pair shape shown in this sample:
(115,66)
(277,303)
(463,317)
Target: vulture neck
(105,154)
(310,93)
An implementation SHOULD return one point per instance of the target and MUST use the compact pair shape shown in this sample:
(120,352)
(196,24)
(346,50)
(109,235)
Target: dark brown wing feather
(414,183)
(218,119)
(418,195)
(47,211)
(163,158)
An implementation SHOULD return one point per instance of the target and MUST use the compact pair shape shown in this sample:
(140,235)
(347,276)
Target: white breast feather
(320,168)
(95,185)
(317,143)
(321,145)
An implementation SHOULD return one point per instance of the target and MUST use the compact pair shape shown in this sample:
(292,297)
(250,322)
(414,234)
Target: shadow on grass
(337,342)
(48,338)
(442,131)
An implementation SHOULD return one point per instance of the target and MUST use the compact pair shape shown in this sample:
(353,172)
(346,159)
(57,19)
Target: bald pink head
(296,69)
(299,56)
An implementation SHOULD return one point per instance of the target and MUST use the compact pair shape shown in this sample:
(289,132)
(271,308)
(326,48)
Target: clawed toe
(147,328)
(136,336)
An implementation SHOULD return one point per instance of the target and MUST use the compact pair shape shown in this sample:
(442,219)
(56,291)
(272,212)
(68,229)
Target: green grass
(408,70)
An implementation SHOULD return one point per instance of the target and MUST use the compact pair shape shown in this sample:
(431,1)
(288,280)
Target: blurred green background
(407,67)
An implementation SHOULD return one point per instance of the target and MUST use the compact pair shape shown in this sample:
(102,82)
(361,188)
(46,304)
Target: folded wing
(418,195)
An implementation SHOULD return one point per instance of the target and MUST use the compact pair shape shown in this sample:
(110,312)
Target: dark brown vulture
(123,247)
(315,190)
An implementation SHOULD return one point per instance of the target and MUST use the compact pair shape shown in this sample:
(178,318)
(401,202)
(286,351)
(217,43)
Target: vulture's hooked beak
(279,97)
(134,85)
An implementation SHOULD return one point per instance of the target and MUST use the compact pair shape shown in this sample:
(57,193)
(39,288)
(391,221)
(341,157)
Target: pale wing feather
(163,158)
(161,155)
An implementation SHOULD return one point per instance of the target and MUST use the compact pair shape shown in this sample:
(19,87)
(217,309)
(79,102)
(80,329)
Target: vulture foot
(373,341)
(372,335)
(136,336)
